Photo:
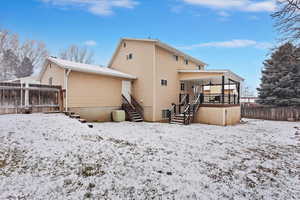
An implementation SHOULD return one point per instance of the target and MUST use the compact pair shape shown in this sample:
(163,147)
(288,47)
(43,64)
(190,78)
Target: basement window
(182,86)
(165,114)
(164,82)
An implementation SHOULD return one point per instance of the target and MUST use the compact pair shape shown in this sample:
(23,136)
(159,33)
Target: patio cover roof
(206,76)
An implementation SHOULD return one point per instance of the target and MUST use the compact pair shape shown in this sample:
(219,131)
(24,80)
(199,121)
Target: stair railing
(191,110)
(137,106)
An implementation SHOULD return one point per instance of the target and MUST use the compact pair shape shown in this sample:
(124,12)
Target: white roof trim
(157,43)
(87,68)
(226,72)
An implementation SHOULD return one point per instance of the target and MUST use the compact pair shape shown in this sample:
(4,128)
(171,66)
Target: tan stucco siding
(221,116)
(90,90)
(141,65)
(166,69)
(191,65)
(54,72)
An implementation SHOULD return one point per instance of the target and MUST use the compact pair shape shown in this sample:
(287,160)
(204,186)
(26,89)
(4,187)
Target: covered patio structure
(216,87)
(214,96)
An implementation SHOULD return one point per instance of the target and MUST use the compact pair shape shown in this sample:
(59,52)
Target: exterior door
(126,90)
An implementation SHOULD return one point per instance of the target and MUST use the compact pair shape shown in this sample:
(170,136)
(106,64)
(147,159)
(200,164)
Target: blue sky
(231,34)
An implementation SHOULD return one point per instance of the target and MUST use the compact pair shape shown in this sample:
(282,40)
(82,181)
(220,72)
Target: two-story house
(150,80)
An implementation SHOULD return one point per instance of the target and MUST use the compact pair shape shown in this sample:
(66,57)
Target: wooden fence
(270,113)
(18,98)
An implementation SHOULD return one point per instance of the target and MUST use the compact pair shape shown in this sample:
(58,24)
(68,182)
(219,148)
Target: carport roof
(87,68)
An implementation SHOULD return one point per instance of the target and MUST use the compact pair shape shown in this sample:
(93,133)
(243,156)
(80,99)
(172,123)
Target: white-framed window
(129,56)
(165,114)
(182,86)
(163,82)
(186,61)
(176,57)
(50,81)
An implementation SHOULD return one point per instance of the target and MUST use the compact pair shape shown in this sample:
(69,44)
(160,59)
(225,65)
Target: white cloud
(254,18)
(242,5)
(97,7)
(231,44)
(223,14)
(90,43)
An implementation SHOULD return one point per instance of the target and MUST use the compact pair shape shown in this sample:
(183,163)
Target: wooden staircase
(176,116)
(133,110)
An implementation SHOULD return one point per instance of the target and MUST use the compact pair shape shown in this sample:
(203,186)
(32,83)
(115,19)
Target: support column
(26,98)
(223,89)
(239,91)
(229,90)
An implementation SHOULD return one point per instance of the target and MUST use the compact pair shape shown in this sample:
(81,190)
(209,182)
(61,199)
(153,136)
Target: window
(164,82)
(124,44)
(50,81)
(129,56)
(199,67)
(182,87)
(175,57)
(165,114)
(186,61)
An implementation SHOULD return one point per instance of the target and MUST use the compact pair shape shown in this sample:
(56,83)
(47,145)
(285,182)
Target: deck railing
(220,99)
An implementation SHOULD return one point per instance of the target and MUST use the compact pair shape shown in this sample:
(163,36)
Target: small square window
(129,56)
(50,81)
(165,114)
(175,57)
(186,61)
(164,82)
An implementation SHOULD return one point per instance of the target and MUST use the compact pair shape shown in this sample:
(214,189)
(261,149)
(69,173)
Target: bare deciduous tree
(287,19)
(77,54)
(247,91)
(35,51)
(30,51)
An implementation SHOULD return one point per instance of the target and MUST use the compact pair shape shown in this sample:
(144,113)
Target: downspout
(154,86)
(67,72)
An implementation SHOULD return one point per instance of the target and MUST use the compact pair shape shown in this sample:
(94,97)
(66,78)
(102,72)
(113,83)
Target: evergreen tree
(280,77)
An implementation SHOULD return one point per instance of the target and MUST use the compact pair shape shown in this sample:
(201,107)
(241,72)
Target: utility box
(118,116)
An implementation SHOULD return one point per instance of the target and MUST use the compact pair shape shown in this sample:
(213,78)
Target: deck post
(238,90)
(229,91)
(26,95)
(223,89)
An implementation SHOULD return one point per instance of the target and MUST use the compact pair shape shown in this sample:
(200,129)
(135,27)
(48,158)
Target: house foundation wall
(92,114)
(218,115)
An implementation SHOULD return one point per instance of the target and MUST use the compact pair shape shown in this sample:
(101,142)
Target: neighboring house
(89,90)
(157,80)
(228,89)
(248,100)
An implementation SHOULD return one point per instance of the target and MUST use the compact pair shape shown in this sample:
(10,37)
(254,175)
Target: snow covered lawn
(55,157)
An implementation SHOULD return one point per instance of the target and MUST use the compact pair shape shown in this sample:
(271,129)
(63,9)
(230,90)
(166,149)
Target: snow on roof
(94,69)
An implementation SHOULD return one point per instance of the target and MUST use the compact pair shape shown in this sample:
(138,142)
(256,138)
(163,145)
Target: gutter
(66,76)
